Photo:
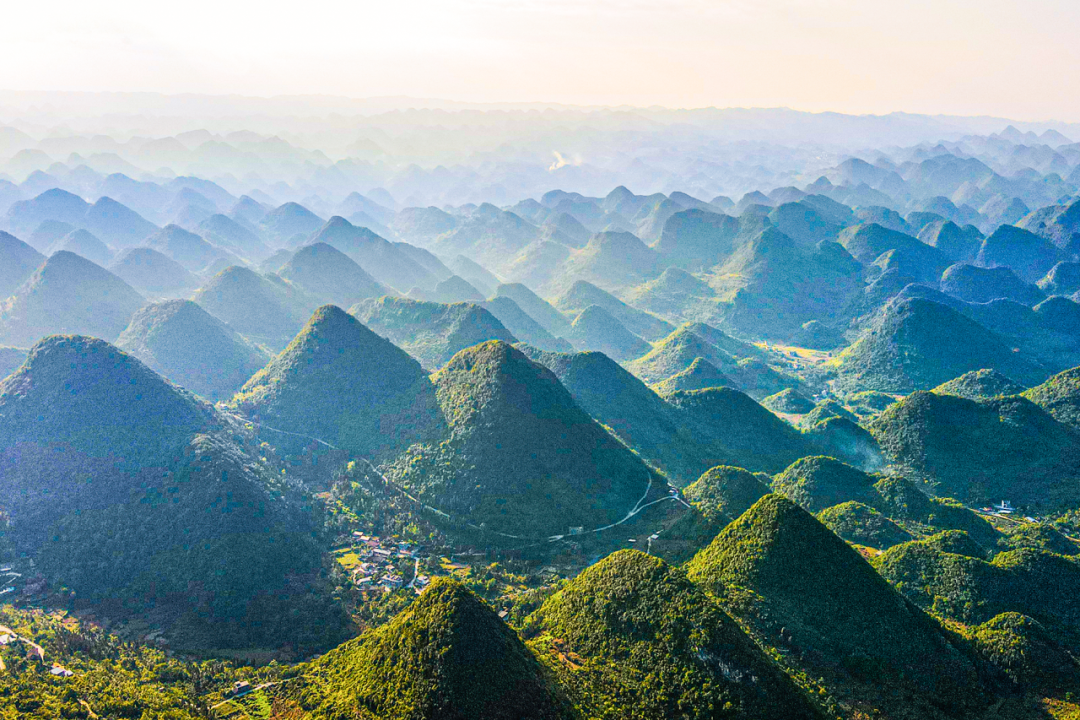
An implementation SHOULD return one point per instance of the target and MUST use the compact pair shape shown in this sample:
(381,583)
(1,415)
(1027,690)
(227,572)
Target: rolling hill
(266,311)
(791,580)
(156,507)
(914,343)
(152,273)
(595,329)
(330,276)
(1059,396)
(983,450)
(341,383)
(85,243)
(631,636)
(523,327)
(430,332)
(582,294)
(448,656)
(18,261)
(980,385)
(521,457)
(182,342)
(399,265)
(978,285)
(537,308)
(68,294)
(699,375)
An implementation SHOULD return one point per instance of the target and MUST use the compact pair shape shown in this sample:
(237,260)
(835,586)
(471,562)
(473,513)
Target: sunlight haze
(970,57)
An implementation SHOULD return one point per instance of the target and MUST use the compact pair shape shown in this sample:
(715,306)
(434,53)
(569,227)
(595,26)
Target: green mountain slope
(1037,583)
(678,351)
(596,329)
(724,493)
(18,261)
(816,483)
(699,375)
(101,457)
(537,308)
(190,347)
(684,437)
(731,429)
(521,456)
(445,657)
(267,311)
(341,383)
(863,525)
(917,344)
(67,294)
(524,327)
(1059,396)
(430,332)
(978,451)
(786,575)
(151,272)
(633,637)
(330,276)
(980,385)
(582,294)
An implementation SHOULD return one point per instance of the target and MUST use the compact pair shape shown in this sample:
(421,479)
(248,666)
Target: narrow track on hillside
(639,506)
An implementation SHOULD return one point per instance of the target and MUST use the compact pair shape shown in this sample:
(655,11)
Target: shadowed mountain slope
(522,457)
(341,383)
(431,332)
(447,656)
(647,641)
(68,294)
(190,347)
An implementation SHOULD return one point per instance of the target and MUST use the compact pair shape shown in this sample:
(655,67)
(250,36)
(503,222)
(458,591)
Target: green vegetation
(67,294)
(678,351)
(633,637)
(1026,652)
(190,347)
(521,456)
(1059,396)
(1037,583)
(823,411)
(771,286)
(816,483)
(724,493)
(582,294)
(446,657)
(595,329)
(980,451)
(795,583)
(1038,536)
(918,344)
(330,275)
(980,385)
(132,469)
(110,678)
(788,401)
(700,375)
(341,383)
(868,402)
(844,439)
(732,429)
(903,502)
(524,327)
(430,332)
(863,525)
(266,311)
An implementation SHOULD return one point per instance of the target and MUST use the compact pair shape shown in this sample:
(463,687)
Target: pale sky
(1013,58)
